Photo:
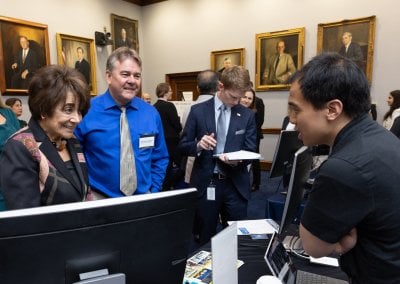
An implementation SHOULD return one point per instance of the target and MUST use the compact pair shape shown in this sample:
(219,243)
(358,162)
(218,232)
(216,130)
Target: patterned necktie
(128,182)
(221,129)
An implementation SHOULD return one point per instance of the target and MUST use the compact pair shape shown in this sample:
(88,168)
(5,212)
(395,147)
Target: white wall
(178,35)
(72,17)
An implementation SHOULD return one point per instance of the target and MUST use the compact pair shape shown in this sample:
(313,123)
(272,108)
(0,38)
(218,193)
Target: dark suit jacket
(169,117)
(120,42)
(172,128)
(84,68)
(36,175)
(241,136)
(31,64)
(260,108)
(354,53)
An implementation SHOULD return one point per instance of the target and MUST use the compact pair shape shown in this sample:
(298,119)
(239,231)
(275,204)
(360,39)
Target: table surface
(252,252)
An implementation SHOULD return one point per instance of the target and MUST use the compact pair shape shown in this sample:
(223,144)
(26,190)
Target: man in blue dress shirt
(99,131)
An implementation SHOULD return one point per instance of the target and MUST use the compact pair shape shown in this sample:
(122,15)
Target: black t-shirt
(359,186)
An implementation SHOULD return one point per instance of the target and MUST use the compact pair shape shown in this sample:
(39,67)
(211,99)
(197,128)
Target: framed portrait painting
(278,55)
(351,38)
(24,48)
(222,59)
(79,53)
(125,32)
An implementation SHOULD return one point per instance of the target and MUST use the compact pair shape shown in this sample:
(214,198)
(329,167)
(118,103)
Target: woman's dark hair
(330,76)
(11,101)
(50,86)
(253,103)
(395,105)
(162,89)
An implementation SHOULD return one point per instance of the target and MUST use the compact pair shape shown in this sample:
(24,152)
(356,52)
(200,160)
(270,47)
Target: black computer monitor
(288,143)
(300,173)
(146,237)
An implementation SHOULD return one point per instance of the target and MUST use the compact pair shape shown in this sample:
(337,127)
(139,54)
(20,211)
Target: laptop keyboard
(279,257)
(304,277)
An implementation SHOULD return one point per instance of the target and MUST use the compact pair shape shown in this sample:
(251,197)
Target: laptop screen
(279,262)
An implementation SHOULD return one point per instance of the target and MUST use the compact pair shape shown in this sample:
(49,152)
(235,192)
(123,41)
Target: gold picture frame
(272,73)
(68,48)
(231,57)
(362,33)
(14,33)
(129,27)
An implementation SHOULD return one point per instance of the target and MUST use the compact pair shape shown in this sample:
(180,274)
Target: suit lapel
(51,153)
(78,164)
(210,117)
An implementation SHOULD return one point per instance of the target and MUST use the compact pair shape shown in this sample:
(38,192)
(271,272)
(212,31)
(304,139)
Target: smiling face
(124,80)
(389,100)
(248,99)
(311,123)
(64,119)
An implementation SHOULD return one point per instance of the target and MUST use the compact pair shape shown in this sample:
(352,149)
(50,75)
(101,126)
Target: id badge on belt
(211,191)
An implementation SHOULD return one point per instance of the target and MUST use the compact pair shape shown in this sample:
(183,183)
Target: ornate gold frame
(363,33)
(266,49)
(131,27)
(217,58)
(10,31)
(67,54)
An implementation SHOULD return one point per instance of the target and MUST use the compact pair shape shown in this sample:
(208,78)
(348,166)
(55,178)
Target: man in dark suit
(82,65)
(352,50)
(24,66)
(123,40)
(220,125)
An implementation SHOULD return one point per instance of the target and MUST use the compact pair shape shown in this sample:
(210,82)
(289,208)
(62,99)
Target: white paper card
(211,193)
(255,227)
(241,155)
(224,250)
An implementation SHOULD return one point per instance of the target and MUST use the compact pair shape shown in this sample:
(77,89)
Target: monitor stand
(118,278)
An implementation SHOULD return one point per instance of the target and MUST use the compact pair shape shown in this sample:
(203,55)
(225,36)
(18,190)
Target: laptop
(282,267)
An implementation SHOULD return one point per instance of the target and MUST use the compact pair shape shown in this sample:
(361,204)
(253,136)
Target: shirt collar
(109,102)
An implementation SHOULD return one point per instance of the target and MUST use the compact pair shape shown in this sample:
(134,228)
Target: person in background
(217,126)
(250,101)
(123,40)
(8,123)
(227,63)
(45,164)
(16,105)
(279,67)
(24,66)
(82,65)
(393,101)
(207,86)
(352,208)
(351,49)
(146,97)
(172,129)
(99,131)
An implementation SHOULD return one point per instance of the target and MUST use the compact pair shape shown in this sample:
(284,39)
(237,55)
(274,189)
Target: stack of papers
(241,155)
